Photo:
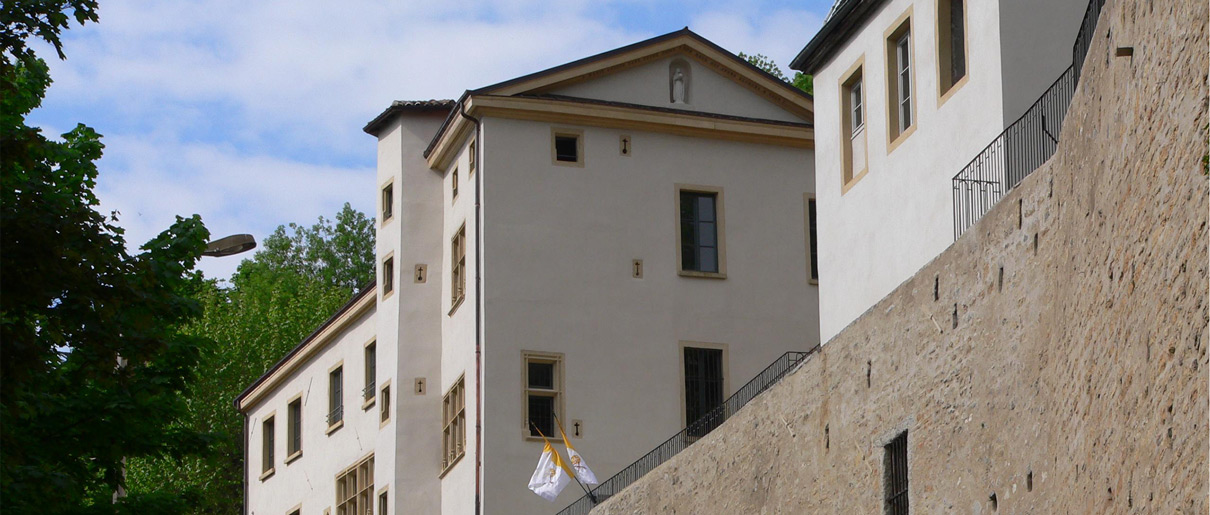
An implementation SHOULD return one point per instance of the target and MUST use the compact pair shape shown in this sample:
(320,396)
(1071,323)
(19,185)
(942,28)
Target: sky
(249,112)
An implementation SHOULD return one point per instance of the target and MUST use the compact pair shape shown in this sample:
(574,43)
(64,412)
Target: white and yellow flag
(551,475)
(577,462)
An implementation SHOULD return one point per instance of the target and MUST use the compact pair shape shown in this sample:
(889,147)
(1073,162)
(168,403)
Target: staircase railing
(1025,144)
(708,422)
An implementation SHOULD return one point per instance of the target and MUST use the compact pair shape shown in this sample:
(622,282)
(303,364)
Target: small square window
(388,276)
(567,147)
(388,202)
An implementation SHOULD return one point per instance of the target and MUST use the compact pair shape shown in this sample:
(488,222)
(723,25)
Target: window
(388,202)
(852,119)
(703,388)
(335,397)
(382,503)
(567,147)
(542,376)
(895,476)
(472,157)
(951,43)
(371,363)
(453,415)
(384,411)
(700,237)
(454,182)
(266,466)
(294,430)
(899,80)
(388,276)
(458,268)
(355,488)
(812,243)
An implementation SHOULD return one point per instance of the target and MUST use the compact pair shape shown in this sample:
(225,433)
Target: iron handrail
(1025,144)
(699,428)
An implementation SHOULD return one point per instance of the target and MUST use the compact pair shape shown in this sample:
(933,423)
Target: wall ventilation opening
(936,288)
(1035,243)
(955,316)
(869,366)
(1000,280)
(995,504)
(827,438)
(1029,481)
(1019,217)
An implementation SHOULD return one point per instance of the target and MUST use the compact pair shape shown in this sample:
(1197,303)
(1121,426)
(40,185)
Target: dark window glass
(388,201)
(957,42)
(541,414)
(388,276)
(699,232)
(895,476)
(542,375)
(814,243)
(371,359)
(567,148)
(267,446)
(295,426)
(703,388)
(335,397)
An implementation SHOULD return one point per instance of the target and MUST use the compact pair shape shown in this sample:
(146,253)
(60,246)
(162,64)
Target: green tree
(301,276)
(93,361)
(800,80)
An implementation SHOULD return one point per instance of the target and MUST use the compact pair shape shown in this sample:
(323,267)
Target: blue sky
(250,112)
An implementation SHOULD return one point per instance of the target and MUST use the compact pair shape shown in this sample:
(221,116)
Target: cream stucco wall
(708,91)
(308,480)
(411,338)
(559,243)
(898,216)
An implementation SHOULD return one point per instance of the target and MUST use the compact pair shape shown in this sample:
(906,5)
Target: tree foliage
(94,360)
(800,80)
(299,278)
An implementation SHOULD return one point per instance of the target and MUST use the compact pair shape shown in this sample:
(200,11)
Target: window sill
(386,221)
(384,423)
(450,467)
(953,89)
(267,474)
(388,294)
(369,403)
(853,182)
(899,138)
(813,282)
(332,428)
(702,275)
(293,457)
(455,306)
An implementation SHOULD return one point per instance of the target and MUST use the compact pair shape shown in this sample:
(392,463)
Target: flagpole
(563,433)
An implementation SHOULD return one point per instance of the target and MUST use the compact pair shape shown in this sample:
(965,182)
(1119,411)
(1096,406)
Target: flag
(577,462)
(551,475)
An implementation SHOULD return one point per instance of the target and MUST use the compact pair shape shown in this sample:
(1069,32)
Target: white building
(911,91)
(623,240)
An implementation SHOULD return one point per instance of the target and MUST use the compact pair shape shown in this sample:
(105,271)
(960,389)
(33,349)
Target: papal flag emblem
(577,462)
(551,475)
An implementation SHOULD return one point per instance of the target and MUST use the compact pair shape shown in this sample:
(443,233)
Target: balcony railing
(1026,143)
(768,377)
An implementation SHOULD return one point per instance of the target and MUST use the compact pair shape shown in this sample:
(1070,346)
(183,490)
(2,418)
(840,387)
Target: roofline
(373,127)
(368,289)
(836,31)
(487,90)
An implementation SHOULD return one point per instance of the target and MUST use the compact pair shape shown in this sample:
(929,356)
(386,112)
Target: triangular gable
(682,43)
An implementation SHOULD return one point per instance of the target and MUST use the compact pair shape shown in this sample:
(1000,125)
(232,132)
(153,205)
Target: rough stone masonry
(1053,360)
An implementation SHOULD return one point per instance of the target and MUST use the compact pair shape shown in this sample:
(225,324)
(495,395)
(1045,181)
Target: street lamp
(230,245)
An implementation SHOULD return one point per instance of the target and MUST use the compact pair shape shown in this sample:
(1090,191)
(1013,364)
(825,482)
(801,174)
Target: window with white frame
(542,375)
(899,79)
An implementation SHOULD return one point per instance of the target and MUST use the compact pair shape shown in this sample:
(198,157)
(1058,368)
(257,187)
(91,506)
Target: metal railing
(768,377)
(1025,144)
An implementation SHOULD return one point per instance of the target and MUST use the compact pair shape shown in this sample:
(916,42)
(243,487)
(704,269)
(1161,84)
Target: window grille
(896,475)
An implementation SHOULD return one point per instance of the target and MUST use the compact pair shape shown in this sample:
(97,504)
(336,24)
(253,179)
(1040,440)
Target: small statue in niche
(678,86)
(678,82)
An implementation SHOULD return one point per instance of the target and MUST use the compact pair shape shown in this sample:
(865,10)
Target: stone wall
(1053,359)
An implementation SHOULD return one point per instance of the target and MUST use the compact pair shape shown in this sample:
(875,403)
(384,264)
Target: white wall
(1036,38)
(648,84)
(899,216)
(409,326)
(559,242)
(309,480)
